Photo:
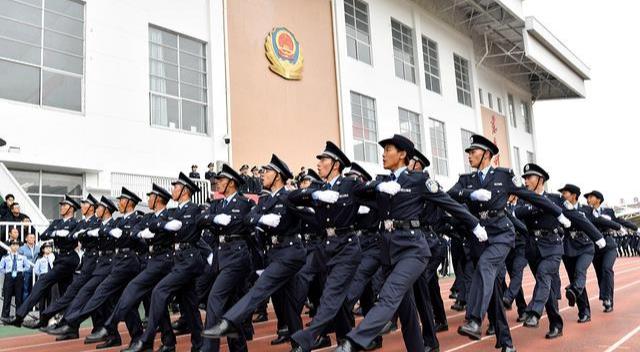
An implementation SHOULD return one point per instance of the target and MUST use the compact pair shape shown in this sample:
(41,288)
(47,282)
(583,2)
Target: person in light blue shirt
(12,265)
(30,250)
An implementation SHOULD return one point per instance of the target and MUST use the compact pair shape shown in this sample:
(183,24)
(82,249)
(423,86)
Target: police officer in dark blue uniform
(604,258)
(65,264)
(336,210)
(278,220)
(225,219)
(368,223)
(89,245)
(545,254)
(188,265)
(486,192)
(401,197)
(158,264)
(516,262)
(125,266)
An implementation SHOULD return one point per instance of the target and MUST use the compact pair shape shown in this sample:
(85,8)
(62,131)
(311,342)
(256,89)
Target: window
(516,161)
(42,52)
(490,99)
(512,111)
(46,189)
(356,17)
(177,81)
(463,83)
(481,96)
(438,147)
(431,65)
(466,142)
(526,113)
(403,51)
(410,127)
(365,130)
(499,104)
(531,158)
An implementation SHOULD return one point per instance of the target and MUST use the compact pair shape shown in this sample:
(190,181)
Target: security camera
(227,139)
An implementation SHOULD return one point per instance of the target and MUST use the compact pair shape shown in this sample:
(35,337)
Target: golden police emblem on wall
(283,51)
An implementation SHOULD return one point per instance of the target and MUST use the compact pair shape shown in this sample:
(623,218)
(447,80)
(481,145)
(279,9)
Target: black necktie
(14,270)
(393,176)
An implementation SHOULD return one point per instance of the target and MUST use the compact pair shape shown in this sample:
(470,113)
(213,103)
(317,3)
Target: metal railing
(22,228)
(141,185)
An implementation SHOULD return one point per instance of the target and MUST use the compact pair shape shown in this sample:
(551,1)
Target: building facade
(95,95)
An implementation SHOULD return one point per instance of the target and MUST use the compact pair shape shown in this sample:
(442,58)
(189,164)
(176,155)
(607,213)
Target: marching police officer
(277,218)
(544,259)
(188,265)
(89,245)
(125,266)
(516,262)
(401,198)
(225,218)
(604,259)
(579,250)
(159,263)
(486,192)
(66,261)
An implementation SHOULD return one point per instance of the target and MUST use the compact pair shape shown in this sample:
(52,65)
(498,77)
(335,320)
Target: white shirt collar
(160,211)
(333,181)
(180,205)
(228,199)
(106,221)
(399,172)
(485,171)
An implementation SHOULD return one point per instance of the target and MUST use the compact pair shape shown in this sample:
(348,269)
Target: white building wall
(113,133)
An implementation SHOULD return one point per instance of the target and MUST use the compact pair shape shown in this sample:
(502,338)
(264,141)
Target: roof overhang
(519,48)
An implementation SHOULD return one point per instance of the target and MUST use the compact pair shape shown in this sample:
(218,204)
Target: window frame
(467,93)
(355,28)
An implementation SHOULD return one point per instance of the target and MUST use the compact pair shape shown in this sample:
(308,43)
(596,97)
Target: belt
(107,252)
(490,214)
(310,236)
(283,239)
(390,225)
(92,252)
(610,233)
(123,250)
(576,234)
(154,249)
(541,233)
(62,251)
(181,246)
(230,238)
(338,231)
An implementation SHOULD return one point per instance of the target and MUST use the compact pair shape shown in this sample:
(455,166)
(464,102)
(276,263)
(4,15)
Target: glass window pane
(54,183)
(61,91)
(164,111)
(162,69)
(192,62)
(358,150)
(20,31)
(21,12)
(68,7)
(18,51)
(63,43)
(19,82)
(63,24)
(352,47)
(50,207)
(193,77)
(363,53)
(165,86)
(28,180)
(162,53)
(194,93)
(62,61)
(191,46)
(162,37)
(193,117)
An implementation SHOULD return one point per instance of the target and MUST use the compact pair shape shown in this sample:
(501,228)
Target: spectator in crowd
(12,265)
(256,182)
(30,250)
(43,265)
(4,207)
(301,174)
(194,172)
(211,173)
(14,214)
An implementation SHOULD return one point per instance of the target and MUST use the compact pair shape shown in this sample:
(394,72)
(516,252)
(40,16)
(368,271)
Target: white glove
(76,234)
(638,232)
(567,204)
(363,209)
(327,196)
(564,221)
(606,216)
(94,232)
(481,233)
(173,225)
(61,233)
(271,220)
(481,195)
(389,187)
(210,259)
(116,232)
(601,243)
(146,234)
(222,219)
